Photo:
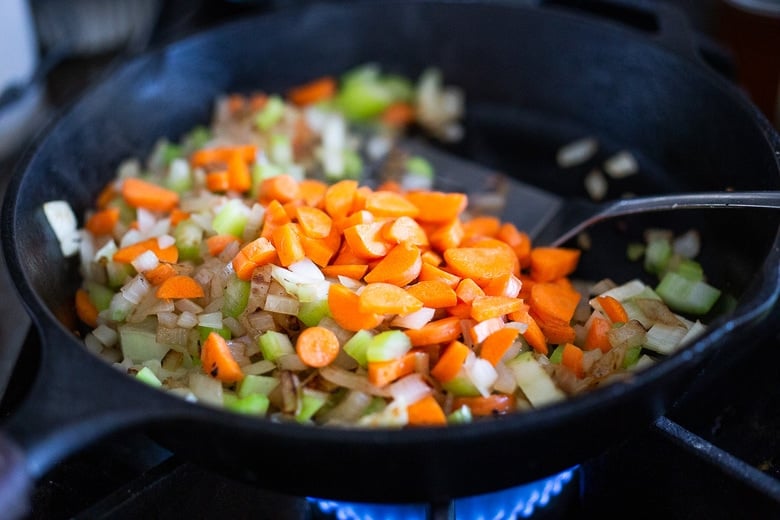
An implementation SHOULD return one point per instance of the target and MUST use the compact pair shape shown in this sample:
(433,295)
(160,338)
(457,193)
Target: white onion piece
(621,165)
(187,320)
(133,236)
(164,241)
(106,335)
(596,185)
(146,261)
(211,320)
(291,362)
(349,409)
(505,380)
(186,305)
(207,389)
(135,289)
(64,224)
(145,220)
(93,344)
(482,375)
(688,244)
(350,283)
(167,319)
(410,389)
(307,269)
(261,367)
(351,380)
(522,327)
(577,152)
(414,320)
(282,304)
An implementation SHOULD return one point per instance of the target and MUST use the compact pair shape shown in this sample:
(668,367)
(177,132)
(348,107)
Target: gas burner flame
(508,504)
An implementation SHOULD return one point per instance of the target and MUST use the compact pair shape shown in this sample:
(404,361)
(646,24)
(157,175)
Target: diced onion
(282,304)
(482,375)
(351,380)
(93,344)
(688,244)
(207,389)
(146,261)
(410,389)
(596,185)
(187,320)
(64,224)
(135,289)
(414,320)
(106,335)
(261,367)
(211,320)
(621,165)
(577,152)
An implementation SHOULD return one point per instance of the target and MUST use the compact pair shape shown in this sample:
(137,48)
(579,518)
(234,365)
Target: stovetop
(715,455)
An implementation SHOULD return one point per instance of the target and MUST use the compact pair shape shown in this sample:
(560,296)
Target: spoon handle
(711,200)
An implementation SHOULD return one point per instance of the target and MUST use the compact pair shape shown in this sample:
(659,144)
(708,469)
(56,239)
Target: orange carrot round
(317,346)
(400,267)
(385,298)
(180,286)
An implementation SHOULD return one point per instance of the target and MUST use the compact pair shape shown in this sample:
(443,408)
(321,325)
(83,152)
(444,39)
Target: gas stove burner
(509,504)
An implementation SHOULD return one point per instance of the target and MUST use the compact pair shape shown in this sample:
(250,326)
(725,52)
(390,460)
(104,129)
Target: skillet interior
(534,80)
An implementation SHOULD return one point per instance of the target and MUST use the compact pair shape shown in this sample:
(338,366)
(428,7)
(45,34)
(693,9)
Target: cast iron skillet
(536,79)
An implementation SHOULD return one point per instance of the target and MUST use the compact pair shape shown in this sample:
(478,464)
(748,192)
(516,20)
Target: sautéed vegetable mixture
(255,266)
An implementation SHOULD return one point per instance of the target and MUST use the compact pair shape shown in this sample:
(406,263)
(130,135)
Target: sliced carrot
(357,217)
(385,298)
(217,243)
(550,263)
(555,331)
(484,226)
(382,373)
(468,290)
(431,272)
(518,240)
(439,331)
(494,404)
(553,302)
(432,258)
(361,195)
(346,256)
(390,204)
(314,223)
(426,412)
(105,196)
(533,334)
(447,236)
(243,266)
(217,181)
(405,229)
(85,309)
(390,185)
(178,287)
(129,253)
(222,154)
(366,240)
(597,335)
(238,176)
(282,188)
(312,192)
(317,346)
(495,346)
(276,214)
(354,271)
(486,307)
(287,243)
(480,263)
(437,206)
(339,198)
(505,284)
(344,306)
(450,361)
(142,194)
(178,215)
(434,293)
(461,309)
(260,251)
(398,114)
(318,250)
(102,222)
(160,273)
(218,361)
(613,309)
(400,267)
(572,359)
(314,91)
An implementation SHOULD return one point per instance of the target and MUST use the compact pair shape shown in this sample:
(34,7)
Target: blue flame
(508,504)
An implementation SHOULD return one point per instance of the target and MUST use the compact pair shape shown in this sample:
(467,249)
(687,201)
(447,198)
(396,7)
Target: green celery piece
(147,376)
(635,251)
(363,95)
(179,177)
(170,151)
(688,296)
(126,212)
(231,219)
(252,384)
(275,344)
(657,255)
(557,355)
(189,238)
(236,296)
(460,416)
(461,386)
(533,380)
(270,114)
(357,346)
(196,138)
(388,345)
(310,403)
(400,88)
(254,404)
(99,295)
(139,341)
(205,331)
(311,313)
(419,167)
(280,150)
(690,269)
(353,164)
(632,356)
(118,273)
(377,404)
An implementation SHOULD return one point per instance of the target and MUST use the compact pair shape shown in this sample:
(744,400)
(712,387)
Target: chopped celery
(99,295)
(377,404)
(401,89)
(690,269)
(189,238)
(236,296)
(557,355)
(388,345)
(309,403)
(280,149)
(460,416)
(139,341)
(533,380)
(357,346)
(118,273)
(205,331)
(196,138)
(179,178)
(461,386)
(252,384)
(364,94)
(631,356)
(147,376)
(311,313)
(169,152)
(120,307)
(635,251)
(231,219)
(419,167)
(353,164)
(657,255)
(253,404)
(664,339)
(126,212)
(270,114)
(275,344)
(684,295)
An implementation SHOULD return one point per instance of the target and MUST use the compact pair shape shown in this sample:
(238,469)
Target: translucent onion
(282,304)
(211,320)
(187,320)
(349,409)
(351,380)
(167,319)
(414,320)
(207,389)
(93,344)
(482,375)
(688,244)
(135,289)
(106,335)
(307,269)
(261,367)
(576,152)
(410,389)
(186,305)
(505,380)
